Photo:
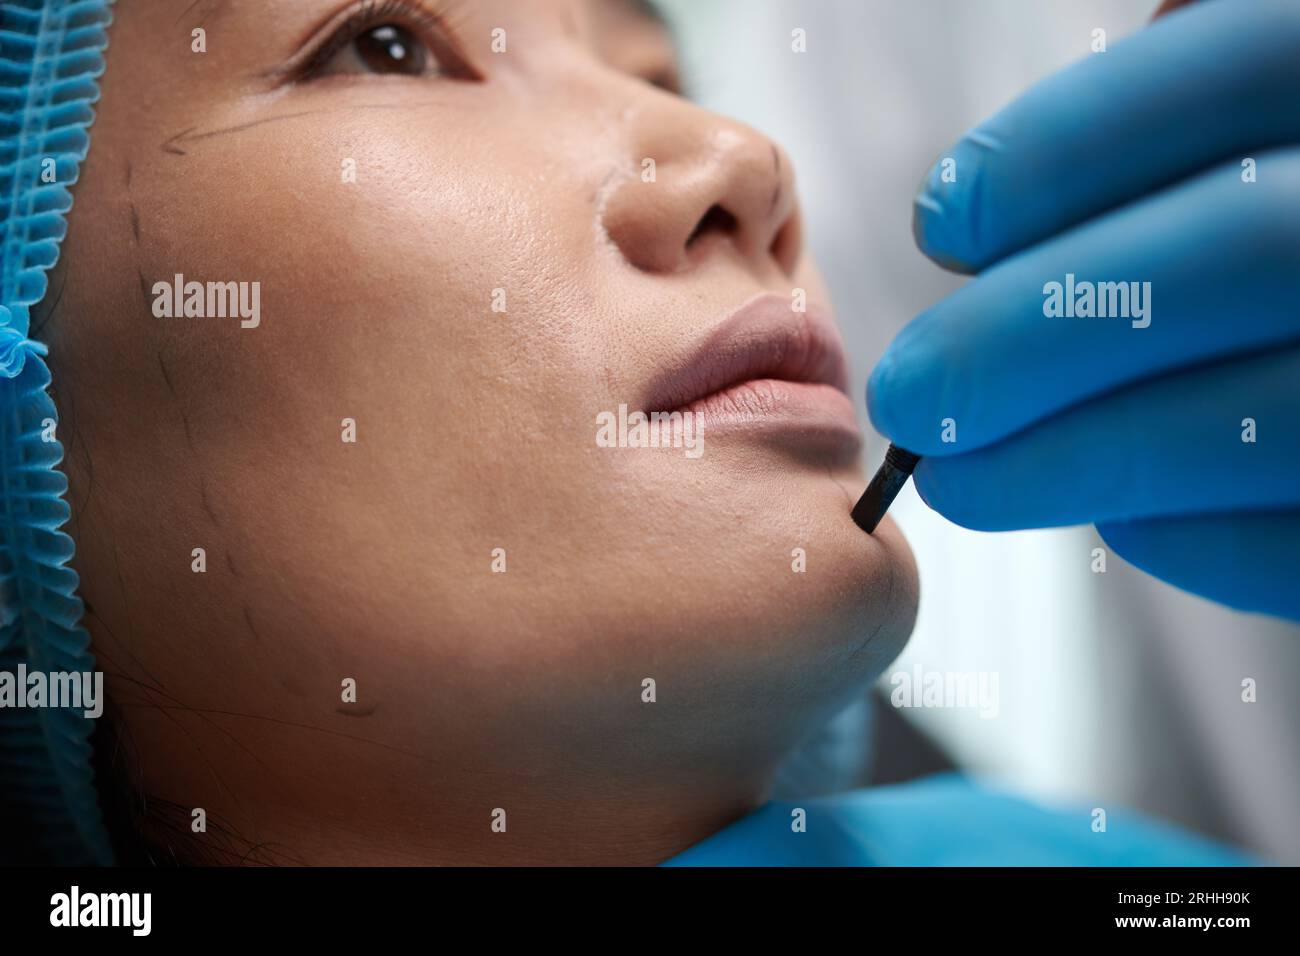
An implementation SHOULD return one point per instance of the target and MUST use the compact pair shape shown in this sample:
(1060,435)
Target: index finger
(1202,85)
(1074,317)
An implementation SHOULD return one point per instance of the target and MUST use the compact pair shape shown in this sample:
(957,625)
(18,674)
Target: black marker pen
(884,488)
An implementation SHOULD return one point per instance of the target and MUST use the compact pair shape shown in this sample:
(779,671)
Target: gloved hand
(1172,159)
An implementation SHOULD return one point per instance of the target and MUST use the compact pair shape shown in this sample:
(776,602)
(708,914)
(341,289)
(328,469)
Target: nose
(702,183)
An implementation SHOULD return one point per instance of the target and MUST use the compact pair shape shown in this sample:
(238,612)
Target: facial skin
(475,430)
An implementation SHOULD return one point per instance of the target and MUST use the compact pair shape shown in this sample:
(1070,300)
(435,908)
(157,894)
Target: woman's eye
(387,49)
(392,49)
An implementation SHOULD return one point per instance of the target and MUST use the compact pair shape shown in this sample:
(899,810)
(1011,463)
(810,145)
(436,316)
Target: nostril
(716,219)
(787,243)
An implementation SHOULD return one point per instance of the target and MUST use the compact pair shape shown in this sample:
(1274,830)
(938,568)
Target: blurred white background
(1113,688)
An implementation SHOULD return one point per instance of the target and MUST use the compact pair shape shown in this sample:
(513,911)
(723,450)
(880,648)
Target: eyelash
(369,14)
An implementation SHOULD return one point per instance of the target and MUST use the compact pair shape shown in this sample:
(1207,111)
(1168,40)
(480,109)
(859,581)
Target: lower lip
(806,410)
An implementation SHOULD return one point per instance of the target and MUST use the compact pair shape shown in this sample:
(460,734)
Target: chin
(799,586)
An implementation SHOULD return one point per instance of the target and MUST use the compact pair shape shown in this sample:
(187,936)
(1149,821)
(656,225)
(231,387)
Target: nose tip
(755,186)
(713,181)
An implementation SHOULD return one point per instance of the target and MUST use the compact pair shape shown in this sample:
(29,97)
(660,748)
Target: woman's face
(476,227)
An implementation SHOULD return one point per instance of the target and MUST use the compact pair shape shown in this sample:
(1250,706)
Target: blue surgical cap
(51,55)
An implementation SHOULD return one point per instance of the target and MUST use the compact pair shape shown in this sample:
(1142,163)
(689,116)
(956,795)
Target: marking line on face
(49,316)
(848,496)
(207,505)
(172,144)
(189,437)
(248,620)
(145,292)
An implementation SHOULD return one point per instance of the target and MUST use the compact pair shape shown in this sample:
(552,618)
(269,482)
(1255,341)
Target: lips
(766,366)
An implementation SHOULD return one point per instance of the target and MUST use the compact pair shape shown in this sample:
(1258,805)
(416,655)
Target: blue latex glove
(1125,167)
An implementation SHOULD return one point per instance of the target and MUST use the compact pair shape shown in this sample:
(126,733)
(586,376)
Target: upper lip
(764,339)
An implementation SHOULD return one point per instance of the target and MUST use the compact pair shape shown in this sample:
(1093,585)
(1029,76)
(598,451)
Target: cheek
(431,288)
(442,324)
